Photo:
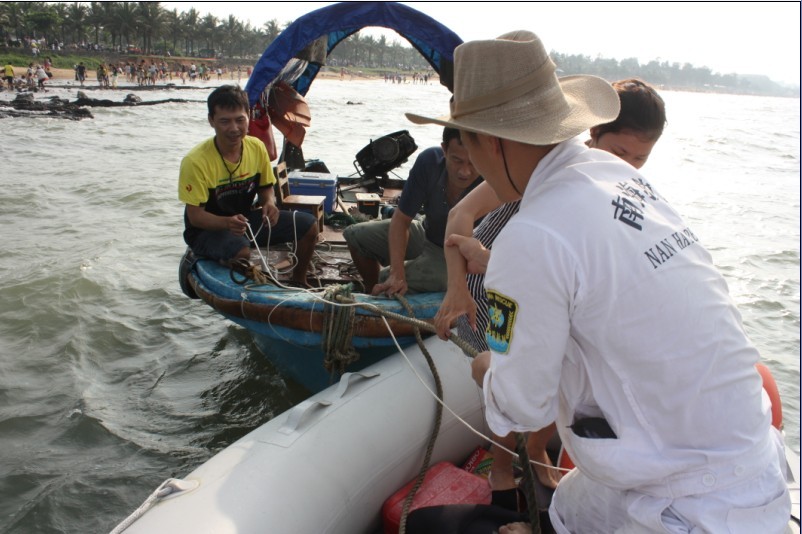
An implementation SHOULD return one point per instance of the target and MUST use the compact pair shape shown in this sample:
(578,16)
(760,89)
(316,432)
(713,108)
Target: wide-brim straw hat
(507,88)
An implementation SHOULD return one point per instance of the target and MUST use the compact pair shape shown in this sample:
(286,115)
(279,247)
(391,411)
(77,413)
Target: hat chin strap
(506,169)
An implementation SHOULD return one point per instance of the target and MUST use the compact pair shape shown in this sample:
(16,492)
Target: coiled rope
(338,328)
(249,271)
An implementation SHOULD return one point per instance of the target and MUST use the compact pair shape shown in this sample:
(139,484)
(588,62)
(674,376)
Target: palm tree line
(149,28)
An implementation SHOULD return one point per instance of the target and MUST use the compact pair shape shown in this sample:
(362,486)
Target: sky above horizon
(727,37)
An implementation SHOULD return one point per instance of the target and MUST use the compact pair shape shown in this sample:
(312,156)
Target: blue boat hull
(287,323)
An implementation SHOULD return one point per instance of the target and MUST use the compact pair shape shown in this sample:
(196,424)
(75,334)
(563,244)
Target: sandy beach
(60,75)
(66,74)
(69,74)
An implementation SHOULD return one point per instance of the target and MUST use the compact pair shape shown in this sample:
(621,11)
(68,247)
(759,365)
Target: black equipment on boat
(384,154)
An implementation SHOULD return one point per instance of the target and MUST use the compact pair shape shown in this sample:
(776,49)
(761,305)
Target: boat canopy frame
(297,54)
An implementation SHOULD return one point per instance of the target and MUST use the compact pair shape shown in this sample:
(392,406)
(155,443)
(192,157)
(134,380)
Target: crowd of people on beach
(140,73)
(107,74)
(34,78)
(144,74)
(417,78)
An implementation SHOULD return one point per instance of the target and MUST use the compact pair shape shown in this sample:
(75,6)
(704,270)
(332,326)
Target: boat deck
(331,263)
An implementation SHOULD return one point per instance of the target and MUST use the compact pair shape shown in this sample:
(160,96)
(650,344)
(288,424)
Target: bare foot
(547,476)
(515,528)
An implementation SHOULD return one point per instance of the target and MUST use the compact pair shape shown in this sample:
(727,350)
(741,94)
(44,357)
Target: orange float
(774,395)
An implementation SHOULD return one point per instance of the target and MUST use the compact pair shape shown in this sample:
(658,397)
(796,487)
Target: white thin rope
(171,486)
(271,272)
(479,433)
(292,255)
(457,417)
(251,235)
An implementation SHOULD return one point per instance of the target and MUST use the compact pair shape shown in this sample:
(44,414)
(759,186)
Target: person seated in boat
(218,182)
(607,315)
(411,250)
(631,136)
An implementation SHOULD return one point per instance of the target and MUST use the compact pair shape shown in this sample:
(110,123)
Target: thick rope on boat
(258,275)
(423,325)
(249,271)
(338,328)
(528,481)
(437,421)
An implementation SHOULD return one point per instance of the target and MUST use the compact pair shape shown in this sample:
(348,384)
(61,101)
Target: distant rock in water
(350,103)
(25,105)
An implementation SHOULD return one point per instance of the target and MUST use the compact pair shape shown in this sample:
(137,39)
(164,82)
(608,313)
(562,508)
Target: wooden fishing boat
(331,463)
(298,329)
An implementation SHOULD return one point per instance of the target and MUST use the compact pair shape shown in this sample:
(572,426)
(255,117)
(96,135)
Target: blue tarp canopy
(331,24)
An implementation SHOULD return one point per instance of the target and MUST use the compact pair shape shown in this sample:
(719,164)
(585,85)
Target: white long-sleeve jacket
(604,303)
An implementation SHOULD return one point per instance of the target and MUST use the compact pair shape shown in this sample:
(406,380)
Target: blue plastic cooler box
(314,183)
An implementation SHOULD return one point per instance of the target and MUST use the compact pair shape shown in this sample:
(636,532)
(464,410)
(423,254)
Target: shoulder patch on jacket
(502,311)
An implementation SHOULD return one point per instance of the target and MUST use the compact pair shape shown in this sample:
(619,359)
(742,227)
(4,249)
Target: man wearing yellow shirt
(8,76)
(219,180)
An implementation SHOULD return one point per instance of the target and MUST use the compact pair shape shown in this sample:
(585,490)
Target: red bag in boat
(444,483)
(261,128)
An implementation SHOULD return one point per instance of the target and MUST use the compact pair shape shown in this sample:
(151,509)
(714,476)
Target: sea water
(111,380)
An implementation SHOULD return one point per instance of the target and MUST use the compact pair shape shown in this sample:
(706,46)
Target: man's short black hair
(449,134)
(228,97)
